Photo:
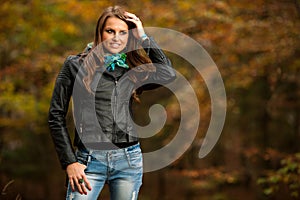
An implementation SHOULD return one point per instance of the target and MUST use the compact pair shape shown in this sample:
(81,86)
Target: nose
(116,37)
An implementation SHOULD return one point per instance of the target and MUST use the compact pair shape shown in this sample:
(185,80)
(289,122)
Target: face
(115,35)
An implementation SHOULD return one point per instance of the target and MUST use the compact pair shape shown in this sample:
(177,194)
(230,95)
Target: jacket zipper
(115,110)
(81,120)
(80,129)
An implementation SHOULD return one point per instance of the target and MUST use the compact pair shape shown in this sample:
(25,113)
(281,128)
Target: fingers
(134,19)
(72,184)
(139,26)
(87,183)
(77,178)
(131,16)
(81,186)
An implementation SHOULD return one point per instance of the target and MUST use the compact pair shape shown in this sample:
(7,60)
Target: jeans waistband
(106,146)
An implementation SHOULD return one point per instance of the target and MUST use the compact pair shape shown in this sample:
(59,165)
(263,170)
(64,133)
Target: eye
(123,32)
(109,31)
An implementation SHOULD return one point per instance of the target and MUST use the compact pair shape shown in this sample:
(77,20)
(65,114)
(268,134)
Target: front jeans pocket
(83,157)
(135,158)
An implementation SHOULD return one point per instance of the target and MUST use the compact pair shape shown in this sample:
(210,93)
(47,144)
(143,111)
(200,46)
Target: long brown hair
(136,56)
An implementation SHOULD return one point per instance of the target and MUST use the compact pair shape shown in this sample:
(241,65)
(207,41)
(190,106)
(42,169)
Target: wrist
(143,37)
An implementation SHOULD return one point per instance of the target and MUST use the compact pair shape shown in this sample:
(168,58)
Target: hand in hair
(139,31)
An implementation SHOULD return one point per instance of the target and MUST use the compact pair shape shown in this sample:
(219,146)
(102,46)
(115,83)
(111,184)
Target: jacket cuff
(71,158)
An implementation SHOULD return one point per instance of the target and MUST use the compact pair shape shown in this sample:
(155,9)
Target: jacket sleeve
(57,114)
(164,72)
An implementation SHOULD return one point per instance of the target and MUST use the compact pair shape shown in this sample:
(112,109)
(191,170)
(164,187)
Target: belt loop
(89,156)
(126,153)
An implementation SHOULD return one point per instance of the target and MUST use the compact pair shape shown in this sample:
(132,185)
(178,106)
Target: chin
(114,51)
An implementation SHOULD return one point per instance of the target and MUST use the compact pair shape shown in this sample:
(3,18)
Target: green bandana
(115,59)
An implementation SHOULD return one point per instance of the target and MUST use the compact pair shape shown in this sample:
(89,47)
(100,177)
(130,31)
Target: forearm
(60,137)
(165,72)
(57,116)
(63,147)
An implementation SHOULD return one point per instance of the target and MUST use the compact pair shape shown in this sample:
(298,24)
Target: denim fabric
(121,169)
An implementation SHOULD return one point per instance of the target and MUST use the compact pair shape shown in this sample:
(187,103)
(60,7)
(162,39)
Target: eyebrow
(109,27)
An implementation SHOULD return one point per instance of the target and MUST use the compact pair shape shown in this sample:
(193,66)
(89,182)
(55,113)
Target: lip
(115,45)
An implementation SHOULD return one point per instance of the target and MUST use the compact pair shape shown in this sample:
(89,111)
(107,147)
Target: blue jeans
(121,169)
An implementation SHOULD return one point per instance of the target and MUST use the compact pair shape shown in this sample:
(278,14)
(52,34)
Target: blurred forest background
(255,44)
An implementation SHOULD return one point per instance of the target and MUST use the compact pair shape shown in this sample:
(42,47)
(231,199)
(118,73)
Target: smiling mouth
(115,45)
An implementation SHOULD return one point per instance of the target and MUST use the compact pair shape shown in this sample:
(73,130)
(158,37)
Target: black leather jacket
(110,121)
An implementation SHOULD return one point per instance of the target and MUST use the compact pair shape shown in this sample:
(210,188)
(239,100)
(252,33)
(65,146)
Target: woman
(103,81)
